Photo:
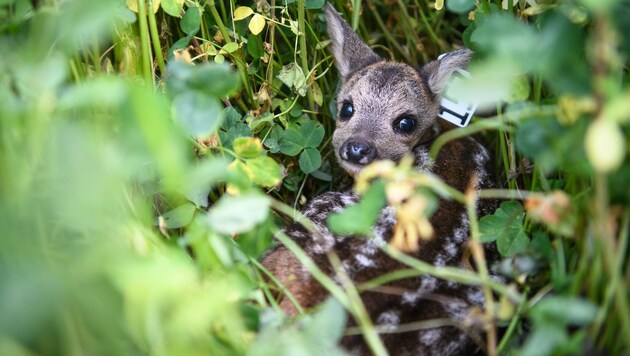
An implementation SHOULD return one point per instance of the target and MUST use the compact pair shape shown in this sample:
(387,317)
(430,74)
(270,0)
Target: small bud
(605,145)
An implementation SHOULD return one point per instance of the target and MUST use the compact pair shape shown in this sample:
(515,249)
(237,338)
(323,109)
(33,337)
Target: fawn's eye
(346,111)
(405,124)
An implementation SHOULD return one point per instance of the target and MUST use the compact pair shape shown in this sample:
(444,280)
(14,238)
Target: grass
(114,161)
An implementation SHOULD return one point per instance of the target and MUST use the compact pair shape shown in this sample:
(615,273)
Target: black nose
(358,151)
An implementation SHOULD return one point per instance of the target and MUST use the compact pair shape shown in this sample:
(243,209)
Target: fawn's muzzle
(358,151)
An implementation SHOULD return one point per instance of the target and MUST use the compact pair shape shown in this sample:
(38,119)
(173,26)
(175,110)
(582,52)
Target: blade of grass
(155,39)
(480,261)
(143,28)
(304,49)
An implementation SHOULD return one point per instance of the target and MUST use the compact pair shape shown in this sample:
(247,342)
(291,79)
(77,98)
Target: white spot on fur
(440,260)
(423,160)
(323,241)
(451,284)
(389,318)
(348,199)
(460,235)
(475,297)
(481,157)
(430,337)
(480,161)
(410,298)
(364,261)
(456,309)
(454,347)
(368,248)
(380,229)
(427,285)
(451,249)
(344,268)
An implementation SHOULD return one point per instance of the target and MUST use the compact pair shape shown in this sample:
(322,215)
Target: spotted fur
(381,92)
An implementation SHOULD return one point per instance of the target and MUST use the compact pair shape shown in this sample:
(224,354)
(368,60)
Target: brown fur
(381,92)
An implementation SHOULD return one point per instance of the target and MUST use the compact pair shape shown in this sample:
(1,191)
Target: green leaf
(179,44)
(242,12)
(199,115)
(200,179)
(310,160)
(236,214)
(293,77)
(318,96)
(152,114)
(541,245)
(552,145)
(328,323)
(296,109)
(511,244)
(257,24)
(232,116)
(264,171)
(460,6)
(212,79)
(238,130)
(272,142)
(259,122)
(191,21)
(247,147)
(563,311)
(543,340)
(292,143)
(240,175)
(505,227)
(503,35)
(173,7)
(314,4)
(359,218)
(229,47)
(312,133)
(254,46)
(180,216)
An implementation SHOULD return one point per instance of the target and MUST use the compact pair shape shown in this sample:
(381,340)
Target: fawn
(385,111)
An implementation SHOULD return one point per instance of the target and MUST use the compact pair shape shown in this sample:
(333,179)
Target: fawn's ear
(351,54)
(438,72)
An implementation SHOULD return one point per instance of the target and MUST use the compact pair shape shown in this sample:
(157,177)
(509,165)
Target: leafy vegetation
(149,150)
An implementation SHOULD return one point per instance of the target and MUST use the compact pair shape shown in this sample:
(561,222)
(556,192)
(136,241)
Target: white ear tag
(451,109)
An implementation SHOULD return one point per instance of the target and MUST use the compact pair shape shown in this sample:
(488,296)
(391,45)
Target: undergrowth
(150,151)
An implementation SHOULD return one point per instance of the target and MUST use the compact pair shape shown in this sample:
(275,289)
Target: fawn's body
(387,110)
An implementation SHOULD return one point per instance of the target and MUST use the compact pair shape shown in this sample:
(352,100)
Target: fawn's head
(385,109)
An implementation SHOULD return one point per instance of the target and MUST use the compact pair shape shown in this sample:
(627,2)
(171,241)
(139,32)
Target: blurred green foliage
(141,153)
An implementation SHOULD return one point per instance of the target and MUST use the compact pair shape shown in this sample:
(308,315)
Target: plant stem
(147,71)
(480,261)
(273,278)
(155,39)
(386,32)
(358,309)
(606,239)
(272,40)
(304,50)
(511,328)
(452,274)
(428,26)
(493,123)
(242,70)
(356,11)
